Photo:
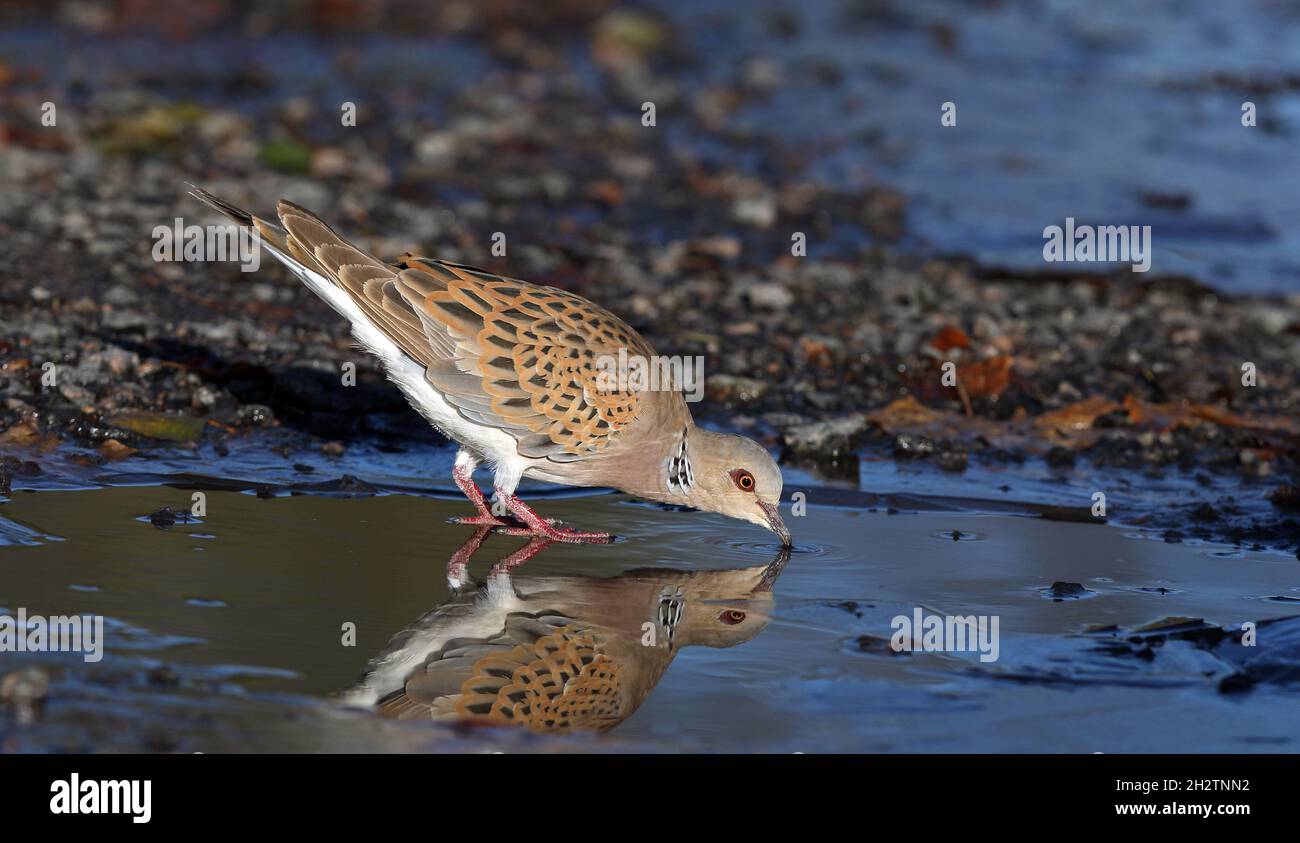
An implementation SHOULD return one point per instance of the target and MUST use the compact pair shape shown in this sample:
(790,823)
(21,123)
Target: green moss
(171,428)
(286,156)
(156,130)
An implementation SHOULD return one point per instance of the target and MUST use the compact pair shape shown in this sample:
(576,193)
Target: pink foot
(484,520)
(507,526)
(545,528)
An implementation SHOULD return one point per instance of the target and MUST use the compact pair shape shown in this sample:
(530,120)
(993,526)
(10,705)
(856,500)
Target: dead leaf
(990,376)
(949,337)
(115,450)
(902,414)
(26,435)
(1077,416)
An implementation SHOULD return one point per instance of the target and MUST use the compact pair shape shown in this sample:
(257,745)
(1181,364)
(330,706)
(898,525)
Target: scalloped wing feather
(534,353)
(519,357)
(546,673)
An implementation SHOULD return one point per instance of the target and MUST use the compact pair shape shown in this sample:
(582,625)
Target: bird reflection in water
(558,653)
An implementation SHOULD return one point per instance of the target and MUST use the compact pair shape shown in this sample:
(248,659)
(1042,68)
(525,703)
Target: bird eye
(743,479)
(731,617)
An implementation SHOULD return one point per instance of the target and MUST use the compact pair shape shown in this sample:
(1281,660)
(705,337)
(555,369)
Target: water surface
(227,635)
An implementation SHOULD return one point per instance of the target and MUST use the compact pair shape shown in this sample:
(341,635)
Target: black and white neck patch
(680,476)
(672,605)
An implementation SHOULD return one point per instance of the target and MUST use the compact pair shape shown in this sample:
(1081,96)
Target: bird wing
(520,357)
(524,358)
(545,672)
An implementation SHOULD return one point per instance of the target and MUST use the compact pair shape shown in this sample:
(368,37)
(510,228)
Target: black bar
(245,792)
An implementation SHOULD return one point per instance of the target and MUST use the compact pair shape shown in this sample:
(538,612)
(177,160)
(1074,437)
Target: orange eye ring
(743,479)
(731,617)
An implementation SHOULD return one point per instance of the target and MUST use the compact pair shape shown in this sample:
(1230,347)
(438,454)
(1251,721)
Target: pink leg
(535,545)
(465,480)
(539,526)
(458,564)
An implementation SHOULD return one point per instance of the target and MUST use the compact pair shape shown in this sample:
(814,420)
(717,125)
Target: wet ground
(225,633)
(820,120)
(1111,111)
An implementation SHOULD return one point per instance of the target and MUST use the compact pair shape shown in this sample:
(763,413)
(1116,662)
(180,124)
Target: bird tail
(270,232)
(284,247)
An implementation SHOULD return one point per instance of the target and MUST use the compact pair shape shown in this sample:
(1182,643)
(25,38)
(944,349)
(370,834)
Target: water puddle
(283,619)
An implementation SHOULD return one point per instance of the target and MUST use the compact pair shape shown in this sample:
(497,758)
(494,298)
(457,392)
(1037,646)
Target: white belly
(407,651)
(496,446)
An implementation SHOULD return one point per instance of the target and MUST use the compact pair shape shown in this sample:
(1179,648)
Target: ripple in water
(958,536)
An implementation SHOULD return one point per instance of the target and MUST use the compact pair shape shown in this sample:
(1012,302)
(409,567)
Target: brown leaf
(990,376)
(949,337)
(903,414)
(606,192)
(115,450)
(816,353)
(26,435)
(1077,416)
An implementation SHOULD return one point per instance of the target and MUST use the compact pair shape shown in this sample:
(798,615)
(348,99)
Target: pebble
(826,439)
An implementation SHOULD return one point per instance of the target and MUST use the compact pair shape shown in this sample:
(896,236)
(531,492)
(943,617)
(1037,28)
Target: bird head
(726,608)
(737,477)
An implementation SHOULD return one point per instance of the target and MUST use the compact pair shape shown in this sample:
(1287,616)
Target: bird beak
(773,570)
(774,522)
